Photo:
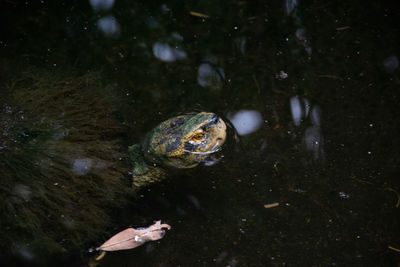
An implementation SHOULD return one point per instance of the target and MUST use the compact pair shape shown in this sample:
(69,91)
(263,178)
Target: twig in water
(343,28)
(256,82)
(394,249)
(102,254)
(397,194)
(199,15)
(272,205)
(329,76)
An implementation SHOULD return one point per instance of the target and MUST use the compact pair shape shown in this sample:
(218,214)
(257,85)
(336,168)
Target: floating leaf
(131,237)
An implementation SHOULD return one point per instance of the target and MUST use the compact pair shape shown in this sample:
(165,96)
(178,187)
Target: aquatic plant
(62,162)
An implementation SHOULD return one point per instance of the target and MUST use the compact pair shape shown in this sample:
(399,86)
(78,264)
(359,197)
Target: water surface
(310,89)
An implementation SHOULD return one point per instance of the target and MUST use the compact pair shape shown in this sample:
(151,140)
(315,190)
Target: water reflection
(391,64)
(165,9)
(313,140)
(68,221)
(60,132)
(23,192)
(109,26)
(246,121)
(212,160)
(25,252)
(290,6)
(176,36)
(300,34)
(301,110)
(165,52)
(316,116)
(101,4)
(221,257)
(209,76)
(240,44)
(152,23)
(301,37)
(82,166)
(194,200)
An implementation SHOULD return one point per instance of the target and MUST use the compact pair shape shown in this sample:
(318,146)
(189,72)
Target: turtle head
(185,141)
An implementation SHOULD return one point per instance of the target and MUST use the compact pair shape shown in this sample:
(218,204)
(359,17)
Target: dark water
(311,87)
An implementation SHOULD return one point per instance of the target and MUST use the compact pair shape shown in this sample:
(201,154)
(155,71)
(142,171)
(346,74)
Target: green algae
(63,166)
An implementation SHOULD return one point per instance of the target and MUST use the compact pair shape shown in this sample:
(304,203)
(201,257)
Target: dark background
(337,197)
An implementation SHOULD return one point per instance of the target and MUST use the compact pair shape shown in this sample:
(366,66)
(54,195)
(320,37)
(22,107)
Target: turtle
(181,142)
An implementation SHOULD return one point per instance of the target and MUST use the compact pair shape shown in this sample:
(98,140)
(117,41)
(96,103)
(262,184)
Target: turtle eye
(198,137)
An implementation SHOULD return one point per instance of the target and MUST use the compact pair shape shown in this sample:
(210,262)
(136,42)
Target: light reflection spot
(246,121)
(23,191)
(165,52)
(101,4)
(208,76)
(109,26)
(82,166)
(391,64)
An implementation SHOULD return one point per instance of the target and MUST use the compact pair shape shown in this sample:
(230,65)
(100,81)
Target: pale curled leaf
(131,237)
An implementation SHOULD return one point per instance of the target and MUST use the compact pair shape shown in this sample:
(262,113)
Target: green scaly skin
(180,142)
(143,173)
